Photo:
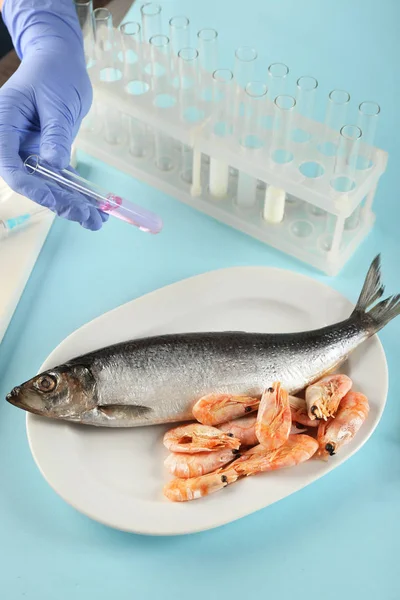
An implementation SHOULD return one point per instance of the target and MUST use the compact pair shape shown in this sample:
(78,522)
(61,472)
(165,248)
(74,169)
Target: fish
(158,379)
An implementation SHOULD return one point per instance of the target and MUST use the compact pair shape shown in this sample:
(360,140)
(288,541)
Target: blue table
(338,538)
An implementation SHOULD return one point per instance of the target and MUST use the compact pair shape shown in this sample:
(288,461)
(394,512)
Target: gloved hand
(44,102)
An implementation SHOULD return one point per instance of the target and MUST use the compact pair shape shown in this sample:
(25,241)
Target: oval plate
(116,476)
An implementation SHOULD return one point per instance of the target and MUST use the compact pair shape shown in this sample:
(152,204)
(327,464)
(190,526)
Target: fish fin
(372,289)
(385,311)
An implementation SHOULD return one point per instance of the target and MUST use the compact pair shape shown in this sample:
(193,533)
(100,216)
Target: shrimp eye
(270,390)
(314,409)
(224,479)
(229,434)
(330,448)
(248,409)
(46,383)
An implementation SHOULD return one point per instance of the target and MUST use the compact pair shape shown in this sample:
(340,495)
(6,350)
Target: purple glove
(43,103)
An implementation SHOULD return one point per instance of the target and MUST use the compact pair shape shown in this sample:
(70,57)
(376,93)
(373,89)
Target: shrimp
(181,490)
(194,465)
(298,407)
(297,449)
(340,430)
(215,409)
(243,429)
(195,438)
(274,418)
(324,396)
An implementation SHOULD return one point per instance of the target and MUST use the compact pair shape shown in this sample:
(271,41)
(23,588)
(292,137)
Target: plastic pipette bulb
(105,201)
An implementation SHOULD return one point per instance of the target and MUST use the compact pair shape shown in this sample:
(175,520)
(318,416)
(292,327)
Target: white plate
(116,476)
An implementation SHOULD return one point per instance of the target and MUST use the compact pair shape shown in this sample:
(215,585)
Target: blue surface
(338,538)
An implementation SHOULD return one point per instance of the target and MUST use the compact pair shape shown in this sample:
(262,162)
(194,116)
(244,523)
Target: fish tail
(372,290)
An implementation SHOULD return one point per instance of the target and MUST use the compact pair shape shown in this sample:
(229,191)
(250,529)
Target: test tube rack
(306,207)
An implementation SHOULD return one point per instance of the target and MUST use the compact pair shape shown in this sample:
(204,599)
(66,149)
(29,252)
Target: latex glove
(44,102)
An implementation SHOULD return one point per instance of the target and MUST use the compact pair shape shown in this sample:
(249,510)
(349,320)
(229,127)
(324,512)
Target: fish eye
(46,383)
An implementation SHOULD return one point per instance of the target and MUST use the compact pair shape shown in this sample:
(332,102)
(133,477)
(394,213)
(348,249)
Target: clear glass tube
(105,201)
(254,108)
(84,10)
(305,101)
(336,112)
(208,49)
(188,92)
(284,107)
(131,40)
(151,20)
(245,62)
(161,80)
(222,127)
(368,115)
(346,158)
(104,34)
(179,33)
(277,79)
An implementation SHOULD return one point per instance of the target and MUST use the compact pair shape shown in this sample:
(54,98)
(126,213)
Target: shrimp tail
(383,312)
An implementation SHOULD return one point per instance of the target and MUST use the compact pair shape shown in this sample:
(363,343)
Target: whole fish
(158,379)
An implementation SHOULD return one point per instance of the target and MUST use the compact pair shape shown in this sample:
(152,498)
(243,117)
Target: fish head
(62,393)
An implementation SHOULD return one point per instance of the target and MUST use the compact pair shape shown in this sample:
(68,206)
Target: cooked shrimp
(297,449)
(215,409)
(324,396)
(243,429)
(274,418)
(340,430)
(195,438)
(298,407)
(195,465)
(181,490)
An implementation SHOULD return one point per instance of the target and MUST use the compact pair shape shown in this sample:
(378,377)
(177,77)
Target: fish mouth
(14,398)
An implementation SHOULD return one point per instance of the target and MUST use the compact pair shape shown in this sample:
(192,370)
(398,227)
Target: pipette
(106,202)
(15,223)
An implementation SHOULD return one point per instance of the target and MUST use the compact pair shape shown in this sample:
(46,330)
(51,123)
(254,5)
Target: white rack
(321,226)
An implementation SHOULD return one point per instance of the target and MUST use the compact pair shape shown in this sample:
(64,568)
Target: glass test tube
(243,71)
(179,33)
(222,119)
(277,79)
(131,47)
(84,10)
(161,79)
(151,20)
(274,202)
(107,71)
(336,111)
(346,166)
(305,101)
(81,189)
(368,114)
(250,136)
(188,93)
(208,60)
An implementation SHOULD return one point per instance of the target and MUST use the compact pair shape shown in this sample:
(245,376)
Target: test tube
(188,92)
(105,201)
(151,20)
(222,120)
(179,33)
(274,202)
(208,49)
(131,47)
(161,79)
(368,114)
(336,111)
(277,79)
(245,61)
(84,10)
(107,71)
(305,101)
(250,136)
(346,165)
